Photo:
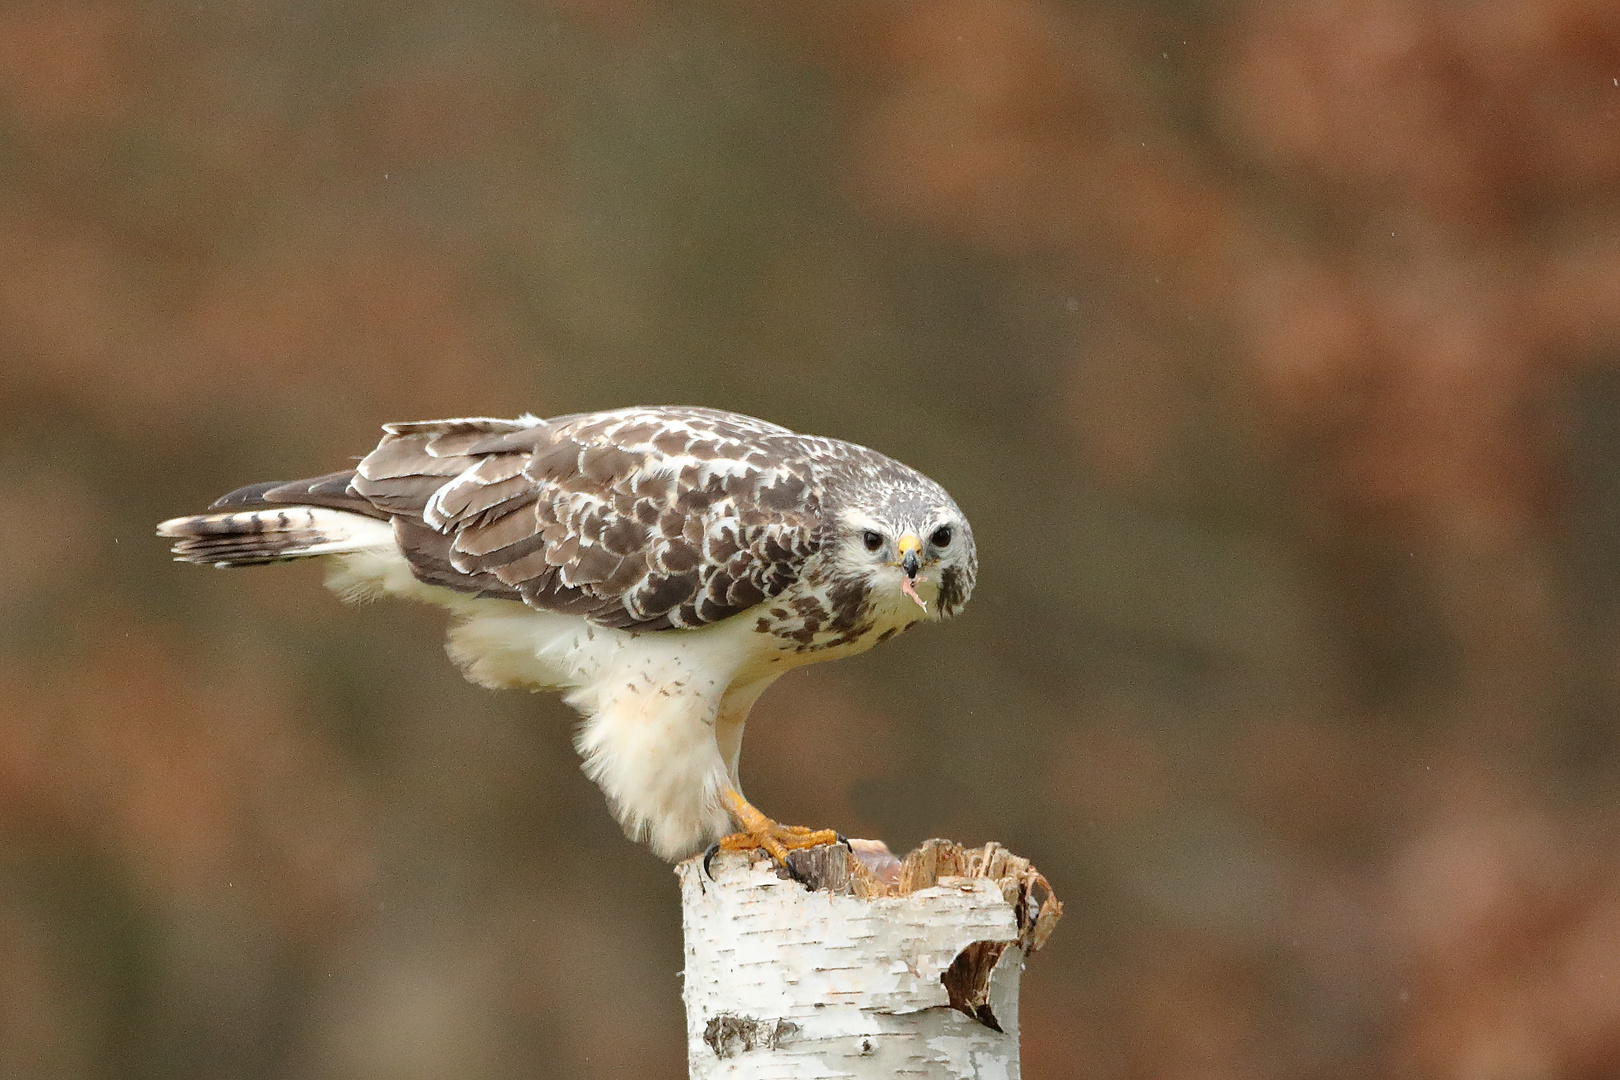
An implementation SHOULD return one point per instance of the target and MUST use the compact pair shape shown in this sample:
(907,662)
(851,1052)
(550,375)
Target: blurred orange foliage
(1270,347)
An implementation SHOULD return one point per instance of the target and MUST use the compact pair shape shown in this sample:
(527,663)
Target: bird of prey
(660,566)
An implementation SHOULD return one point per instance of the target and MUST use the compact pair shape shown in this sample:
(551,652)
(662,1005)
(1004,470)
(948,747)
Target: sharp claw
(773,847)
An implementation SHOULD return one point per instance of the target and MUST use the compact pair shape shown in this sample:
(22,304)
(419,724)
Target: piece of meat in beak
(910,561)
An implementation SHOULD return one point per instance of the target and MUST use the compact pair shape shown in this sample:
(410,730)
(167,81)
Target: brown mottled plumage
(783,548)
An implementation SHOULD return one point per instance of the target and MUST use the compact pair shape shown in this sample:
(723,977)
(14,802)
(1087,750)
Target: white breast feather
(655,704)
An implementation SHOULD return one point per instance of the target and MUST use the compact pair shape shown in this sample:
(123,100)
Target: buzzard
(659,566)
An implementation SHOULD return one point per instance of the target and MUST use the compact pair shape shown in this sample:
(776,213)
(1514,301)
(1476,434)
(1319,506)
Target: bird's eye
(872,539)
(941,537)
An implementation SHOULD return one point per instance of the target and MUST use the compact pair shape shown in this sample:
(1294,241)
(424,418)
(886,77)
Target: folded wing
(640,518)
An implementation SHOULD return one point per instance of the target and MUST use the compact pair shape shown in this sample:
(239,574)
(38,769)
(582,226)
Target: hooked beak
(908,546)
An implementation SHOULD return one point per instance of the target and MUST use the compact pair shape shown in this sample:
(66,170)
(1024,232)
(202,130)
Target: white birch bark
(857,977)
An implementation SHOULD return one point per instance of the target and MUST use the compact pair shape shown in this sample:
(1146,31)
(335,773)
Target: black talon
(842,839)
(708,857)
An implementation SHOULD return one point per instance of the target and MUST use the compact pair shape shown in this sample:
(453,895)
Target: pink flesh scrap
(905,587)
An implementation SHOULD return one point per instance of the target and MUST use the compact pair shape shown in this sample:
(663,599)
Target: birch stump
(865,967)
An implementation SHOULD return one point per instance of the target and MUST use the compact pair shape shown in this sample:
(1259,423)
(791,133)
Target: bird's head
(913,548)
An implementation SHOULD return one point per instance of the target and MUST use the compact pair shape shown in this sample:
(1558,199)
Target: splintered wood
(865,967)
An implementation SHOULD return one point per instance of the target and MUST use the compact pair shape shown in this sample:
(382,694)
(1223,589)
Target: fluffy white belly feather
(663,710)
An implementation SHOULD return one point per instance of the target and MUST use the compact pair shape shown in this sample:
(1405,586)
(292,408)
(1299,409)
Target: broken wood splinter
(865,965)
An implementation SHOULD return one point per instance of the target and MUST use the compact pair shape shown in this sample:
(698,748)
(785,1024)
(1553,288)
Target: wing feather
(498,534)
(651,519)
(460,502)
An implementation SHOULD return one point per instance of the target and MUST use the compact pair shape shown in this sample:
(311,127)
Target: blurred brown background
(1270,345)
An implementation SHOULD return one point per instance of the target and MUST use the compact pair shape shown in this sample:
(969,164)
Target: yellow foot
(777,840)
(760,833)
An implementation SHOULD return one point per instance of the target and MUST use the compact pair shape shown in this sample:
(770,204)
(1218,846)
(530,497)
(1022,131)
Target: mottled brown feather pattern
(638,519)
(648,519)
(634,520)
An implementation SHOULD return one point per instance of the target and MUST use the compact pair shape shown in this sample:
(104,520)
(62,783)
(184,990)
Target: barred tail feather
(275,534)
